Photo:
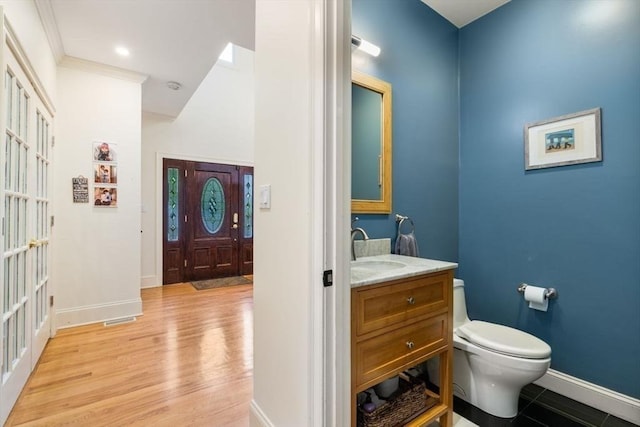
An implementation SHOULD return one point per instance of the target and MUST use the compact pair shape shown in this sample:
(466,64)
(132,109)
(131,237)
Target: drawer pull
(411,301)
(410,345)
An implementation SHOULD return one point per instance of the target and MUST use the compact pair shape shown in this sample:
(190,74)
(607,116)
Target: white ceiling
(175,40)
(462,12)
(169,40)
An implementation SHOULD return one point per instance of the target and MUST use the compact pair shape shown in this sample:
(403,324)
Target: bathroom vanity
(401,315)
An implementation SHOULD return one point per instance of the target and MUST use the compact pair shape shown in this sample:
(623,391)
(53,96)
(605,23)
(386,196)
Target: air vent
(120,321)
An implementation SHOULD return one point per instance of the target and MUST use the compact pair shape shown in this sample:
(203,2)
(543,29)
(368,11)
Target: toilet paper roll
(536,298)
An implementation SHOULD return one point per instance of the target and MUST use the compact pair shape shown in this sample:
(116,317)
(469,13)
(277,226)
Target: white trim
(337,209)
(316,252)
(14,44)
(197,158)
(317,132)
(609,401)
(160,156)
(257,417)
(3,125)
(101,69)
(50,25)
(149,282)
(84,315)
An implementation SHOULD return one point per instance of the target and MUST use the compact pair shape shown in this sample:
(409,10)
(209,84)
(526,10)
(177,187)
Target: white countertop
(382,268)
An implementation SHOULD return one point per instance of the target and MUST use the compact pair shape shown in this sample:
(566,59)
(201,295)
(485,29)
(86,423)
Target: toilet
(491,362)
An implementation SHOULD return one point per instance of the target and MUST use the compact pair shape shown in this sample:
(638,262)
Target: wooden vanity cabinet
(398,324)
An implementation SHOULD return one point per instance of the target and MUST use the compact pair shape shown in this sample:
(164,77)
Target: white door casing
(337,210)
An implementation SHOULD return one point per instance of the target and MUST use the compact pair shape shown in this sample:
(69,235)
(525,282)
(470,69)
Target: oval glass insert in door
(212,206)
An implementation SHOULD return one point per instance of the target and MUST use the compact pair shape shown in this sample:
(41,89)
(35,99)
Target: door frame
(336,306)
(160,156)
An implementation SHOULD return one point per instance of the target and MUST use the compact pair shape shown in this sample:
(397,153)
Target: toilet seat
(504,340)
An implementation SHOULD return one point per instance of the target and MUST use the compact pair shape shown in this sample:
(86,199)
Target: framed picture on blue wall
(565,140)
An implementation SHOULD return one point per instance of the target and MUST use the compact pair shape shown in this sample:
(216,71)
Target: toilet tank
(459,304)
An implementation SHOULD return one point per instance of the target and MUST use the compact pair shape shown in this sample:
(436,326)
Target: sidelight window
(173,214)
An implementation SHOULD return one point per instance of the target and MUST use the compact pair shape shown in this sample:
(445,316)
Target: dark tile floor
(539,407)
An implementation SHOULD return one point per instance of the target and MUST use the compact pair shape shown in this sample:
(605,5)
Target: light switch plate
(265,196)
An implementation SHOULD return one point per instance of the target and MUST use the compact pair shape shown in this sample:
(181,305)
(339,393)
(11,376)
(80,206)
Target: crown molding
(50,25)
(105,70)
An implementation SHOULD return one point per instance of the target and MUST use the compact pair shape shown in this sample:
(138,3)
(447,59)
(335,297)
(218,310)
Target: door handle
(235,218)
(33,243)
(234,226)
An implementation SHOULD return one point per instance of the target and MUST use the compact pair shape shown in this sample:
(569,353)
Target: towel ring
(402,220)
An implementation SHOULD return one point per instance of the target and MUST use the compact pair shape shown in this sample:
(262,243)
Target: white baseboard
(76,316)
(149,282)
(257,418)
(609,401)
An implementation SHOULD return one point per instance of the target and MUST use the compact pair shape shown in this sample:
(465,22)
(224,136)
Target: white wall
(288,245)
(96,260)
(216,125)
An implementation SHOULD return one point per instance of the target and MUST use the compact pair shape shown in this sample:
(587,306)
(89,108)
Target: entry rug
(221,282)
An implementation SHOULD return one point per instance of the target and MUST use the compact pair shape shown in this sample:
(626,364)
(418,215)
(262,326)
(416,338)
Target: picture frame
(105,197)
(104,151)
(565,140)
(104,173)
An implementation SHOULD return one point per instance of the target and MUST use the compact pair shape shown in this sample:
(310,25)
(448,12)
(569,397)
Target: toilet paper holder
(549,294)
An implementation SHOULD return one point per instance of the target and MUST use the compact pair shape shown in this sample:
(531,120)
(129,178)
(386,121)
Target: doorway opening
(207,220)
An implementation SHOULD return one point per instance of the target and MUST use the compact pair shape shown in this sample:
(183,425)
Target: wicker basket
(409,400)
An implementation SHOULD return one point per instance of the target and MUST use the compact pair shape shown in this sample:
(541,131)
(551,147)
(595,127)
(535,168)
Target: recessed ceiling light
(174,85)
(122,51)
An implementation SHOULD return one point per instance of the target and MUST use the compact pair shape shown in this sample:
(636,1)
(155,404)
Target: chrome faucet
(355,231)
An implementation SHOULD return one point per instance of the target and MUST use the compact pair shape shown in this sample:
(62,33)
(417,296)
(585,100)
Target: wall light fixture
(365,46)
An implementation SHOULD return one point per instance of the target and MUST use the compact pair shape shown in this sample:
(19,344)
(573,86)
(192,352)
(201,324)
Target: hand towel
(406,244)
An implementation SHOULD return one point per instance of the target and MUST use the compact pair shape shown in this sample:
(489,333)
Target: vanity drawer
(386,305)
(383,354)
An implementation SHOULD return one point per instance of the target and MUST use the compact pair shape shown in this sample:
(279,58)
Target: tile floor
(539,407)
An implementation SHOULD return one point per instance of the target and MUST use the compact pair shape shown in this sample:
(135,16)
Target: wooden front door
(208,221)
(212,205)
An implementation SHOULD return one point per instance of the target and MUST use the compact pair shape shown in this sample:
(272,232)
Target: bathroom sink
(376,266)
(373,269)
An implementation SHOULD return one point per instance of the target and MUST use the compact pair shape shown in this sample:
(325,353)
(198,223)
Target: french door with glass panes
(25,204)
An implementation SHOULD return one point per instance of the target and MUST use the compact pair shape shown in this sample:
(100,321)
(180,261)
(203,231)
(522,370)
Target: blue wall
(576,228)
(420,59)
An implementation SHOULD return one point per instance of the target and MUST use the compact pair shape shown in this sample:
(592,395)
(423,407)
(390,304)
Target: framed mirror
(370,144)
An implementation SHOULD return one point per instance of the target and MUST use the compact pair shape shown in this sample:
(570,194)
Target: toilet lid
(504,339)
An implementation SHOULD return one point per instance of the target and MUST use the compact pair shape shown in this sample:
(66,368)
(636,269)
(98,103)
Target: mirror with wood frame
(370,144)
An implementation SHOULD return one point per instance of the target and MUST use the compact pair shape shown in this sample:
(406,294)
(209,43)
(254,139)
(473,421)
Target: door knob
(410,345)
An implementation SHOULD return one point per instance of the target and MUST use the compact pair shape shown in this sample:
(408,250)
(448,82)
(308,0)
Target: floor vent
(120,321)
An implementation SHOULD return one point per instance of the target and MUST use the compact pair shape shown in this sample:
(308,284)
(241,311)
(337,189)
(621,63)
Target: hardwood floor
(188,361)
